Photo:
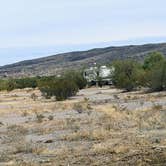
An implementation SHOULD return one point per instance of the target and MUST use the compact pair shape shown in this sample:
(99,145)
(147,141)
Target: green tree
(11,85)
(60,88)
(77,77)
(155,68)
(152,59)
(126,74)
(156,77)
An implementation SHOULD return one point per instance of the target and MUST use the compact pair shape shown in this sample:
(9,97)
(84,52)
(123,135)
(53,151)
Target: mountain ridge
(55,64)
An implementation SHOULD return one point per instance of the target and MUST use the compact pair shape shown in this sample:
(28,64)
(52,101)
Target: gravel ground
(99,126)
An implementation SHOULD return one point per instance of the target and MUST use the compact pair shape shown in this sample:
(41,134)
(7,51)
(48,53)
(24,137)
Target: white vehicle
(91,74)
(102,74)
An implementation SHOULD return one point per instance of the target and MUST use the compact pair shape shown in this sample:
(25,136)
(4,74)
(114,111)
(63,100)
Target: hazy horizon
(37,52)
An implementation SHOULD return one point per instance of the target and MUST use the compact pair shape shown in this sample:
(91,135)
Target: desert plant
(11,85)
(126,74)
(156,78)
(34,96)
(77,77)
(152,59)
(61,88)
(39,117)
(78,107)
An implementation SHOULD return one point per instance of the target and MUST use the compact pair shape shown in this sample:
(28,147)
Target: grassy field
(99,126)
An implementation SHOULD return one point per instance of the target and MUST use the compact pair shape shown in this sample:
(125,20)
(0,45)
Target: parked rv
(99,75)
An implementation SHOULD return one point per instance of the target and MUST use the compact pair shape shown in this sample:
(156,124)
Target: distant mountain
(56,64)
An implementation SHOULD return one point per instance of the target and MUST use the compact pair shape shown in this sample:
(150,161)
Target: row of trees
(151,73)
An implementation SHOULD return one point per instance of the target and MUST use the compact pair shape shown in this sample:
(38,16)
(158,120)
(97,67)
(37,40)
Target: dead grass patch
(108,147)
(91,135)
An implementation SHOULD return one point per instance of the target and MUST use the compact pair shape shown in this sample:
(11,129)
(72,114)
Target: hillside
(58,63)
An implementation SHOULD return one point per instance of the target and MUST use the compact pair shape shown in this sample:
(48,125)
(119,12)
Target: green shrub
(155,68)
(77,77)
(11,85)
(156,77)
(21,83)
(25,83)
(3,84)
(152,59)
(126,74)
(61,88)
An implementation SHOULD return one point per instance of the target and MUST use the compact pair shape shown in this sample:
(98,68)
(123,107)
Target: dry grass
(157,107)
(16,137)
(82,106)
(93,134)
(90,135)
(39,116)
(108,148)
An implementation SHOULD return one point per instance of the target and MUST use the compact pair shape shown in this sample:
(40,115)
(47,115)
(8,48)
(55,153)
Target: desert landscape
(98,126)
(82,83)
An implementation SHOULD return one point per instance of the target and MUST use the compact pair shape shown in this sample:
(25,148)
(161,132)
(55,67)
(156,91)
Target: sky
(36,28)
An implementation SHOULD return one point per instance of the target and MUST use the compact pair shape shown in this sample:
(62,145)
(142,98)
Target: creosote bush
(21,83)
(62,87)
(155,67)
(77,77)
(126,74)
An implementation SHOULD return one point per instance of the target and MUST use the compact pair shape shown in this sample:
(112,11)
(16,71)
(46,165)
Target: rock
(48,141)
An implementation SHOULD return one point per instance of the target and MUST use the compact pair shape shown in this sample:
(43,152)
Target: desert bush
(155,67)
(77,77)
(130,74)
(21,83)
(127,74)
(61,88)
(11,85)
(78,107)
(39,117)
(156,77)
(152,59)
(3,84)
(34,96)
(25,83)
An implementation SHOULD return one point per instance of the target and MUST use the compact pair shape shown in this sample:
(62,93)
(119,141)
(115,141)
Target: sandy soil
(99,126)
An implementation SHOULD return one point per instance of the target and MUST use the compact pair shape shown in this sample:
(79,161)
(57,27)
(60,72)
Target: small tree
(11,85)
(156,77)
(77,77)
(126,74)
(152,59)
(155,68)
(61,88)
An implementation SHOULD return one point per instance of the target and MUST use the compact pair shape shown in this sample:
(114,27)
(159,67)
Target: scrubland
(98,126)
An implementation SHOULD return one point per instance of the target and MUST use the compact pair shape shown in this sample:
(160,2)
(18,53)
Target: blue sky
(36,28)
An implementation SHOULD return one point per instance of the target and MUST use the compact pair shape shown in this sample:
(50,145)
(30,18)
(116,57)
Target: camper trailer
(95,75)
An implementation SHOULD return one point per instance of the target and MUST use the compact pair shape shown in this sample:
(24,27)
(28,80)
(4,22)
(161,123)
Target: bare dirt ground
(99,126)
